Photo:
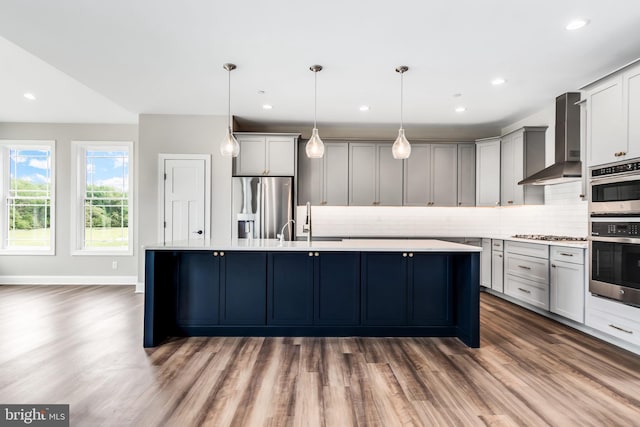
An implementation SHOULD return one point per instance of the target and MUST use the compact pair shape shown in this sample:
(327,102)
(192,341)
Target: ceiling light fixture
(315,146)
(498,81)
(30,96)
(364,108)
(461,109)
(229,146)
(401,148)
(576,24)
(267,107)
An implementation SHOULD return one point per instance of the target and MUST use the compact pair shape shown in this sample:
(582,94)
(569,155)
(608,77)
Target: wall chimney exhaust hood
(567,166)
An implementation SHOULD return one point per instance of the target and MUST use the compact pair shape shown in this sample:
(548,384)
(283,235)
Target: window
(103,211)
(27,189)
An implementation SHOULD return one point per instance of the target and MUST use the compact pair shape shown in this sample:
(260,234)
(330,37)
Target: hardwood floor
(83,346)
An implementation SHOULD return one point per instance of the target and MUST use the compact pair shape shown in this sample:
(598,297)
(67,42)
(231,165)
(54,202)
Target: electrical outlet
(114,265)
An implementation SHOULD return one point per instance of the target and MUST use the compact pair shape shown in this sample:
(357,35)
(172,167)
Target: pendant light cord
(315,98)
(401,99)
(229,99)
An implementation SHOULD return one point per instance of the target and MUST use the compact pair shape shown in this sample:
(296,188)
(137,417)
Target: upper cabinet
(265,155)
(488,172)
(324,181)
(375,177)
(613,117)
(466,175)
(431,175)
(522,154)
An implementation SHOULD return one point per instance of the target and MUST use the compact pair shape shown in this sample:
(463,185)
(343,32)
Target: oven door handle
(615,240)
(629,176)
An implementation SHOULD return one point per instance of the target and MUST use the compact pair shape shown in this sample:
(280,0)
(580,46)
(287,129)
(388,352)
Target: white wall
(181,134)
(63,267)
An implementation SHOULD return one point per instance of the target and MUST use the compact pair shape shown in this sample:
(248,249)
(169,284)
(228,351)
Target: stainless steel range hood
(567,166)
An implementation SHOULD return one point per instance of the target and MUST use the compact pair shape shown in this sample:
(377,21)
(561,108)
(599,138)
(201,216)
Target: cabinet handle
(626,331)
(526,291)
(620,154)
(375,203)
(317,254)
(404,254)
(497,203)
(510,202)
(410,254)
(499,256)
(215,254)
(565,254)
(324,202)
(221,253)
(525,267)
(553,265)
(266,172)
(310,253)
(459,203)
(496,244)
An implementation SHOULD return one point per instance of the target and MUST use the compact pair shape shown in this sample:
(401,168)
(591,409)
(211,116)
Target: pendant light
(315,146)
(229,146)
(401,148)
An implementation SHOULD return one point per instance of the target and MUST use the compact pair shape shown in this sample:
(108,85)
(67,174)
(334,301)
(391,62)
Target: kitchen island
(328,288)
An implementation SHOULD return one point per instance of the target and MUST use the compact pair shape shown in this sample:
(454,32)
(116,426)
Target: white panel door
(184,200)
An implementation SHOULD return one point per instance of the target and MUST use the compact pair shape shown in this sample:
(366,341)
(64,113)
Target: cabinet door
(632,111)
(384,289)
(488,173)
(251,161)
(605,134)
(280,152)
(310,173)
(389,177)
(198,289)
(243,288)
(337,291)
(518,168)
(444,172)
(497,271)
(417,176)
(507,170)
(567,290)
(335,189)
(430,290)
(466,175)
(362,173)
(485,263)
(290,288)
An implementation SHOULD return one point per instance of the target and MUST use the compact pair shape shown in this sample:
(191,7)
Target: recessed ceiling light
(460,109)
(261,92)
(364,108)
(498,81)
(576,24)
(267,106)
(30,96)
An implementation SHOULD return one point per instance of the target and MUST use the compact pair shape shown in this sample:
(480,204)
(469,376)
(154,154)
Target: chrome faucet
(307,224)
(281,235)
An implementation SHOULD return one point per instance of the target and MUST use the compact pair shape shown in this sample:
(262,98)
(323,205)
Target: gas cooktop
(549,237)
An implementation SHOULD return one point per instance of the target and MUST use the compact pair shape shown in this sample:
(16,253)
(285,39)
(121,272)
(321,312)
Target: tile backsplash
(563,213)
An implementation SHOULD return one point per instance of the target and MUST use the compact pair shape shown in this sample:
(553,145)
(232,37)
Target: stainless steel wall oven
(614,242)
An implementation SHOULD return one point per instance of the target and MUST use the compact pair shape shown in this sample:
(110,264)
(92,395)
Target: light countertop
(357,245)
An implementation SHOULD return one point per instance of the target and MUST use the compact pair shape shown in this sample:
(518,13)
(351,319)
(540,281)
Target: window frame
(5,146)
(78,190)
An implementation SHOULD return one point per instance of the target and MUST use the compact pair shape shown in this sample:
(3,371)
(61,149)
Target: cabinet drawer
(530,268)
(565,254)
(530,249)
(614,324)
(497,245)
(617,308)
(527,290)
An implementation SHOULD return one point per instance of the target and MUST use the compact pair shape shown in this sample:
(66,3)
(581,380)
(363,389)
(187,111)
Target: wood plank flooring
(83,346)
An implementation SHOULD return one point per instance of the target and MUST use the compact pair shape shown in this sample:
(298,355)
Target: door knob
(197,232)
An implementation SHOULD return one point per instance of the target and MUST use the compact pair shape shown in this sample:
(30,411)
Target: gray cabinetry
(522,154)
(497,265)
(526,275)
(566,282)
(324,181)
(431,175)
(466,174)
(488,172)
(485,263)
(260,154)
(375,177)
(605,132)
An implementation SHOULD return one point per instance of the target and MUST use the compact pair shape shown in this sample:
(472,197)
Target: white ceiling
(111,60)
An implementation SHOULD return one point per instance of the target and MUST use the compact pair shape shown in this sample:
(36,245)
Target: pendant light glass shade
(315,146)
(229,146)
(401,148)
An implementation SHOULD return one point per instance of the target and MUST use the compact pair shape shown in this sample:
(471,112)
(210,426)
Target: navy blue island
(381,288)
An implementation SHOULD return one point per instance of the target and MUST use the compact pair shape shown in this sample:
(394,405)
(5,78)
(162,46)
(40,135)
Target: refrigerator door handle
(261,208)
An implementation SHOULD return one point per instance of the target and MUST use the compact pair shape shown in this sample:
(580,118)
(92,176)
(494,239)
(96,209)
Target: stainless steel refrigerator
(262,206)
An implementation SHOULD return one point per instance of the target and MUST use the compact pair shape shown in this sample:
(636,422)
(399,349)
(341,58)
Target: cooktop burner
(549,237)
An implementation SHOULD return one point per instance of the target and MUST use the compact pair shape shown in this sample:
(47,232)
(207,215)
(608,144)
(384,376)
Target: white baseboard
(69,280)
(140,288)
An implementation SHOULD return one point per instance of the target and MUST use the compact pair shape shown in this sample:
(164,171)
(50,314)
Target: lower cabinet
(429,280)
(198,289)
(497,271)
(290,288)
(337,290)
(566,282)
(485,263)
(243,288)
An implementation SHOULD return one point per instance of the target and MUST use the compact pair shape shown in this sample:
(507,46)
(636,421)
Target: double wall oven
(614,243)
